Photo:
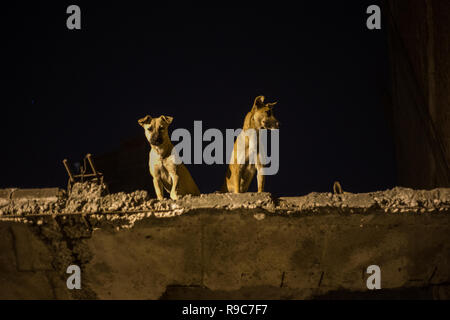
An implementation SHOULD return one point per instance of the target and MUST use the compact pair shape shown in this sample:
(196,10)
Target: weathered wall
(419,40)
(222,245)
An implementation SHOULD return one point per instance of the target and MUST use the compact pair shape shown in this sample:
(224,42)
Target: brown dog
(167,173)
(240,173)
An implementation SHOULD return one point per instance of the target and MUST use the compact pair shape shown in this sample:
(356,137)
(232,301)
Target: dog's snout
(156,139)
(271,124)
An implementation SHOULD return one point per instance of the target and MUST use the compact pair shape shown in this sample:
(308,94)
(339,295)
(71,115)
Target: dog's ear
(271,104)
(167,119)
(259,102)
(144,120)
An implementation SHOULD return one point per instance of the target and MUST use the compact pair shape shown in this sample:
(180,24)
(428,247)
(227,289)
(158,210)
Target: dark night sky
(75,92)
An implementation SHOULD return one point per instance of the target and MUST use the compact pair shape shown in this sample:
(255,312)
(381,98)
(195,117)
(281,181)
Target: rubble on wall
(92,198)
(396,200)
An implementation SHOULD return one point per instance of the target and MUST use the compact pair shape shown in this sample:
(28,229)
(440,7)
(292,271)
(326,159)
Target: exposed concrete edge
(92,199)
(37,194)
(32,193)
(77,232)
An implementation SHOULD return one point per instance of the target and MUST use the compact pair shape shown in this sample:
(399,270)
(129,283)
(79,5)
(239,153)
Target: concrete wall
(419,35)
(225,246)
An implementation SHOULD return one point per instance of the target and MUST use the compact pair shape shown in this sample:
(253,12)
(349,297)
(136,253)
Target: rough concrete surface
(223,246)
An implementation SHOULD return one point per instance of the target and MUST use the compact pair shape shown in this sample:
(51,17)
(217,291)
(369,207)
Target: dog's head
(263,117)
(156,129)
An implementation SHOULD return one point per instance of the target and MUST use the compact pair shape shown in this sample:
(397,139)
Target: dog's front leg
(236,177)
(173,191)
(261,179)
(157,183)
(172,169)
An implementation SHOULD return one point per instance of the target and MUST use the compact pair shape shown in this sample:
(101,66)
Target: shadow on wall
(418,50)
(126,168)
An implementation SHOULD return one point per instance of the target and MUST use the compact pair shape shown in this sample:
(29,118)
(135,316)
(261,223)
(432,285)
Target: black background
(77,91)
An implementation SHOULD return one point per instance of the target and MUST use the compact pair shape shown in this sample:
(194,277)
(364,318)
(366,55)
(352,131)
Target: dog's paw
(174,196)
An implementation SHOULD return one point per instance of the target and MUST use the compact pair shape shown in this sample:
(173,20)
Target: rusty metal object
(68,170)
(83,176)
(337,188)
(89,158)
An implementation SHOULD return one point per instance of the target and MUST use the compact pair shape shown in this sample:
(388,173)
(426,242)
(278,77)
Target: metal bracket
(337,189)
(83,176)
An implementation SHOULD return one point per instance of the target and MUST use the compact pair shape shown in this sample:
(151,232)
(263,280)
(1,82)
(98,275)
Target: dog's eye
(150,128)
(269,112)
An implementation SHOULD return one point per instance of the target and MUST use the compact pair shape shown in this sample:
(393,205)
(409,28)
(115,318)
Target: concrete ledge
(222,245)
(5,194)
(5,199)
(93,198)
(51,194)
(227,253)
(31,201)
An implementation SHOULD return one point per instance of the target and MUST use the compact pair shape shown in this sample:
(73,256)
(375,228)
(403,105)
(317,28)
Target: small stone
(259,216)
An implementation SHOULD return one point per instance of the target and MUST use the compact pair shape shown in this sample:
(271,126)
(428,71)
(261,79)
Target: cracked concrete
(221,245)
